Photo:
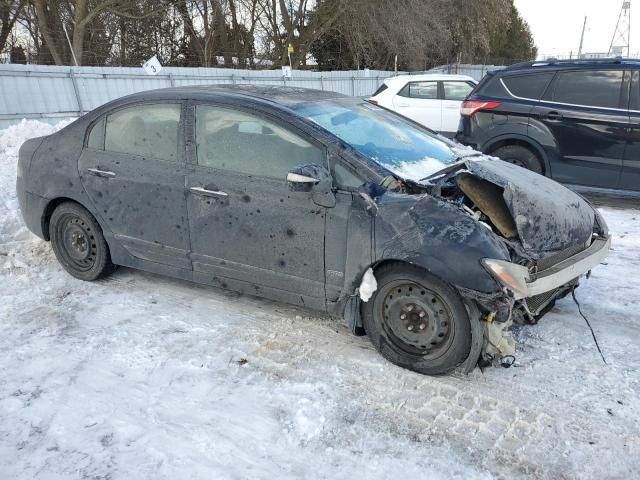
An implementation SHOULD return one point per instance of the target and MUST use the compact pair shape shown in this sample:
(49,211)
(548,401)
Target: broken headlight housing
(510,275)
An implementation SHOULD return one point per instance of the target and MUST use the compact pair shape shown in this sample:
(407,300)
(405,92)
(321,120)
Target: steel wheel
(78,246)
(417,319)
(78,242)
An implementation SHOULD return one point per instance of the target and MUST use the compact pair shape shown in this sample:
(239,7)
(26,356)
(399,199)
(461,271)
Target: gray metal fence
(53,93)
(473,71)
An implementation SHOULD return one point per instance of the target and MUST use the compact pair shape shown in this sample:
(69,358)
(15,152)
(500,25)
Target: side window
(344,177)
(635,91)
(528,86)
(96,136)
(144,130)
(596,88)
(457,90)
(241,142)
(423,90)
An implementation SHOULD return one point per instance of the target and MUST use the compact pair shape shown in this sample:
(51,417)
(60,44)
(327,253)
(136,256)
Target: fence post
(353,86)
(172,82)
(321,82)
(74,81)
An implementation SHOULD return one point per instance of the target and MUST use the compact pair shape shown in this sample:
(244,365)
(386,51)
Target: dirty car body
(293,194)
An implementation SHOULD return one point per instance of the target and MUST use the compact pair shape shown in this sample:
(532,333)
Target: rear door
(585,113)
(420,101)
(630,178)
(248,231)
(453,93)
(133,169)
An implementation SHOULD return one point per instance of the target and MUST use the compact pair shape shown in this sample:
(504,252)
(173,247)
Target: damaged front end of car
(511,241)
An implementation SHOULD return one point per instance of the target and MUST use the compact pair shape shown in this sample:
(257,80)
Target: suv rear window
(528,86)
(423,90)
(593,88)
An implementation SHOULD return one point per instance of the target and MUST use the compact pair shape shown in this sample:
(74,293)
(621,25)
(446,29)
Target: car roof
(427,76)
(286,96)
(587,63)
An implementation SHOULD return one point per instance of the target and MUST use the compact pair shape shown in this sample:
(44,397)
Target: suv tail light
(471,107)
(373,101)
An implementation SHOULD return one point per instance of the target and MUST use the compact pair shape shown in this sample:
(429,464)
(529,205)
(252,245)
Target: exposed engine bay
(538,229)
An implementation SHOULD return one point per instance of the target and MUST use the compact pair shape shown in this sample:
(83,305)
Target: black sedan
(319,200)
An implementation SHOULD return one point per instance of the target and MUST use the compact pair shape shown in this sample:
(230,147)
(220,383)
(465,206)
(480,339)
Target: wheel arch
(53,204)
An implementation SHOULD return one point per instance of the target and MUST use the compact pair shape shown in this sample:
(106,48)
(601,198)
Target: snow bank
(11,225)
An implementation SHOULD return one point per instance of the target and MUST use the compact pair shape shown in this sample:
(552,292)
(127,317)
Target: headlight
(511,275)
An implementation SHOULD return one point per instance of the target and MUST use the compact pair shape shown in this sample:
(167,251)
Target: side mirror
(315,179)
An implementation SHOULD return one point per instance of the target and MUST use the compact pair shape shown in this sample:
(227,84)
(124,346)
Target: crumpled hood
(548,216)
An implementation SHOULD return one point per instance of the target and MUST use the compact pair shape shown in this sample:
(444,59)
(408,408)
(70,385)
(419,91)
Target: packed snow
(368,286)
(143,377)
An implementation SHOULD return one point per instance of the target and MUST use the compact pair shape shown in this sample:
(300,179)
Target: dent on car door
(582,110)
(420,102)
(249,232)
(134,173)
(630,178)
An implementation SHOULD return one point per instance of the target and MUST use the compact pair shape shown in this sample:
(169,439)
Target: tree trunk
(52,45)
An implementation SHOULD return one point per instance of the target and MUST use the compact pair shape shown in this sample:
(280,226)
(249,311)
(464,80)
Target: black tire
(78,242)
(434,337)
(521,156)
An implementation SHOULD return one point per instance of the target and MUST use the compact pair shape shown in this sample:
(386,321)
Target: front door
(584,113)
(248,231)
(630,178)
(420,102)
(134,172)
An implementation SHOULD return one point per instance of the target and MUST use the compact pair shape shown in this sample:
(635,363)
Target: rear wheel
(521,156)
(417,321)
(78,242)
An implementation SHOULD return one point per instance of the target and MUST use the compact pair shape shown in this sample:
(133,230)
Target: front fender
(438,237)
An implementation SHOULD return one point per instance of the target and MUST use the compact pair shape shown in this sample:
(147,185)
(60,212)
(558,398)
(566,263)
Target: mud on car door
(133,170)
(249,230)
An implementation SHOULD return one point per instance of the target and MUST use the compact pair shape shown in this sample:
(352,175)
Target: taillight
(373,101)
(471,107)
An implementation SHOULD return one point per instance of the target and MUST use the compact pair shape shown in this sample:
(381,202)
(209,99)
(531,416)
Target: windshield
(402,147)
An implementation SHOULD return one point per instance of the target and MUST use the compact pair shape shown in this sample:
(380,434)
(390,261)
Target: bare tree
(10,11)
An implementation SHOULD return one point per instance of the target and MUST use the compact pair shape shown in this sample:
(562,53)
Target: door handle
(554,116)
(208,193)
(403,104)
(100,173)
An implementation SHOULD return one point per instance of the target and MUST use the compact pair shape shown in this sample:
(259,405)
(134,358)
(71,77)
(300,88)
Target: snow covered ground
(143,377)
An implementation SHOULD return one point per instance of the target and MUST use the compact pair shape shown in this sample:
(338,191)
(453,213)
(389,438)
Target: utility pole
(622,35)
(584,27)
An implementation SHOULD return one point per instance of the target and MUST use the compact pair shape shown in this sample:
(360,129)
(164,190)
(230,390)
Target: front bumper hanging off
(525,283)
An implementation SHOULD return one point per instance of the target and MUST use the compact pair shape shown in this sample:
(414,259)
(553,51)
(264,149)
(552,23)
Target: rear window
(593,88)
(528,86)
(454,90)
(423,90)
(149,131)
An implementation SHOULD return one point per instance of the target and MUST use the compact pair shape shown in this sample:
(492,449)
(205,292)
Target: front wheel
(78,242)
(417,321)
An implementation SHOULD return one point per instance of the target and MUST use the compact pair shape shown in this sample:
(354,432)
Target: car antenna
(593,334)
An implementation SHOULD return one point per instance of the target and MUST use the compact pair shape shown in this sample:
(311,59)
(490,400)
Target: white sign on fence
(286,71)
(152,66)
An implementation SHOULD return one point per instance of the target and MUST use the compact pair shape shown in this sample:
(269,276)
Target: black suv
(577,122)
